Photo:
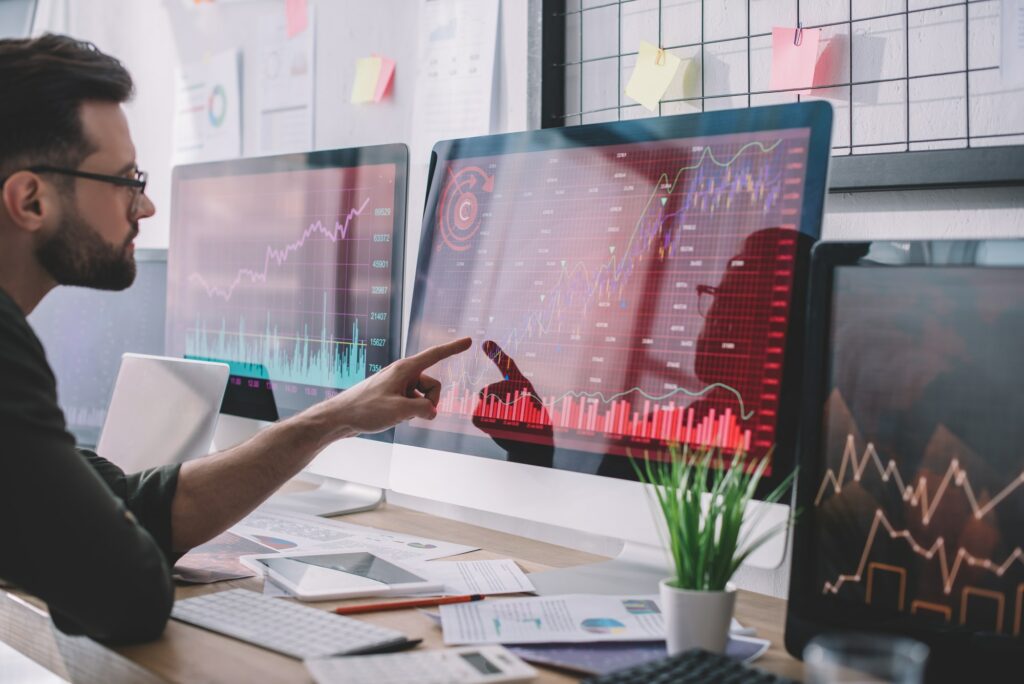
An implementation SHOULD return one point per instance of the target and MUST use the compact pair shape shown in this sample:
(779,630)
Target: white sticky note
(652,75)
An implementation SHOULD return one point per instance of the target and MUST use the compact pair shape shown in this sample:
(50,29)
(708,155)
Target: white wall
(153,37)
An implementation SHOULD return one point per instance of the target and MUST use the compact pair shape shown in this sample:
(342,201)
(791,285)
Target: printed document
(574,618)
(286,531)
(486,577)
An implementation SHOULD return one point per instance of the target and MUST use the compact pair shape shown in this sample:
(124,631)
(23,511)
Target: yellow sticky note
(652,74)
(365,85)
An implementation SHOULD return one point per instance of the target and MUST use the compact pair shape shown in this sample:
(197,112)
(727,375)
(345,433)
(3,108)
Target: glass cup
(864,658)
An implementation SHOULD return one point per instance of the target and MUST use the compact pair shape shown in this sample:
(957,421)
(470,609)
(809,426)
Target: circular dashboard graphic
(458,213)
(217,106)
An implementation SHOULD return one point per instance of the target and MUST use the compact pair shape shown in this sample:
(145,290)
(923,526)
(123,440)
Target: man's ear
(27,200)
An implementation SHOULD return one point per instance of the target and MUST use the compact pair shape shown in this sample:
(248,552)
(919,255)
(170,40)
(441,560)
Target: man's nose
(146,207)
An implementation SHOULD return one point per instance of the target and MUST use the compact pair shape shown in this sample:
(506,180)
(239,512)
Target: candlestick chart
(638,295)
(285,277)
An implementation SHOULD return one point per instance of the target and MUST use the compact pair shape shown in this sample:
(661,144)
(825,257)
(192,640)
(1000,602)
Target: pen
(412,603)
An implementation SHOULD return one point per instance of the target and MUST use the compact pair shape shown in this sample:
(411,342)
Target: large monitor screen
(915,477)
(289,269)
(628,287)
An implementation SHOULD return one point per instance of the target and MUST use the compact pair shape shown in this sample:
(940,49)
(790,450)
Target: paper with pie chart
(576,618)
(207,110)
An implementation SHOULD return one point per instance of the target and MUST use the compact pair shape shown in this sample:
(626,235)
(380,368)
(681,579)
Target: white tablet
(313,576)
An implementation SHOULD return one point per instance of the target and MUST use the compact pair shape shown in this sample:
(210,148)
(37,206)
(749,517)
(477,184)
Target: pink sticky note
(297,16)
(387,70)
(794,53)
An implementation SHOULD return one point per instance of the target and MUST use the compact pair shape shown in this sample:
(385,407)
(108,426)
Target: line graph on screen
(937,554)
(587,268)
(281,274)
(278,256)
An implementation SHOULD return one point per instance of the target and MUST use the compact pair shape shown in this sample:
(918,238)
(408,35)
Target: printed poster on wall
(207,110)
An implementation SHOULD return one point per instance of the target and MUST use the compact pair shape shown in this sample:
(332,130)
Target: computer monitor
(289,268)
(629,286)
(85,332)
(912,473)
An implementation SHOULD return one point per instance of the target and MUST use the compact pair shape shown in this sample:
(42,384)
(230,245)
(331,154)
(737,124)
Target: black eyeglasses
(137,184)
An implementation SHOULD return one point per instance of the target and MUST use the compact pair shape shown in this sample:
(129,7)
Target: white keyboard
(289,628)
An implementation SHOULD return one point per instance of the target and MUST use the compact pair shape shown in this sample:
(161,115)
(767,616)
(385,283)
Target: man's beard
(78,255)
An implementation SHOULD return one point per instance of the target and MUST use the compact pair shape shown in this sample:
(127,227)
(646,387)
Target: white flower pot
(696,619)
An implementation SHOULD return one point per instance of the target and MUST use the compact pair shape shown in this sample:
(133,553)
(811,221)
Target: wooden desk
(188,654)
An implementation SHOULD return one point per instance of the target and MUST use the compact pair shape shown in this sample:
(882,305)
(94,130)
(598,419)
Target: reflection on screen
(919,513)
(622,297)
(480,663)
(286,277)
(360,563)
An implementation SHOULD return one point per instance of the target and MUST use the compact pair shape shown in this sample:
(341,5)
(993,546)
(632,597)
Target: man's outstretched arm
(217,491)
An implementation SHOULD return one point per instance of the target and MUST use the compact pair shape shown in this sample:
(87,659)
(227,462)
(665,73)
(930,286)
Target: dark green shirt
(92,542)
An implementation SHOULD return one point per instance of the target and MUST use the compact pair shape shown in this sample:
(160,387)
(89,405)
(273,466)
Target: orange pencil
(411,603)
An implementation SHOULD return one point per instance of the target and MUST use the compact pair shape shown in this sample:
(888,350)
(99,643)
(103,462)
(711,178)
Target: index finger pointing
(504,362)
(431,355)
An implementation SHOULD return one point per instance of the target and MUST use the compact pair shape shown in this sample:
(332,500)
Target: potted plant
(703,499)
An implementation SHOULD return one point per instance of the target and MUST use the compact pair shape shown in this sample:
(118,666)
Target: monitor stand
(636,570)
(327,497)
(308,493)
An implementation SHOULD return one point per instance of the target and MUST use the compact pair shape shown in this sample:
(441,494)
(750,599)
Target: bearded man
(95,543)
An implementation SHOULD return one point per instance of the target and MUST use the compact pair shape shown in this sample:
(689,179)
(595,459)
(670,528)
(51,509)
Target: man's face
(92,243)
(78,255)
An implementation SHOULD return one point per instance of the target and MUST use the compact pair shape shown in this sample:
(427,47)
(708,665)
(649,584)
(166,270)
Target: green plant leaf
(703,498)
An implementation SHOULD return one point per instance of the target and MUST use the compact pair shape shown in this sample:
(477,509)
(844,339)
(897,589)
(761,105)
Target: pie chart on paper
(603,626)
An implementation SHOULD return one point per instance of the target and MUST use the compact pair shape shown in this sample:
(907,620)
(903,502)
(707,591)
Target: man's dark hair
(43,83)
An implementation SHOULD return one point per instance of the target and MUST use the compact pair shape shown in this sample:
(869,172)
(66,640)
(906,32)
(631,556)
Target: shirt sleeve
(68,539)
(147,494)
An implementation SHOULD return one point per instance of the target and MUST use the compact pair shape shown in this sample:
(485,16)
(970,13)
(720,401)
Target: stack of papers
(271,531)
(285,531)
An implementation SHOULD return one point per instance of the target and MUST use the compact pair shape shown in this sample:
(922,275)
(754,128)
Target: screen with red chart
(623,295)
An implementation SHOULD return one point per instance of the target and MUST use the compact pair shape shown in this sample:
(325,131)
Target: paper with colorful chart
(207,109)
(575,618)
